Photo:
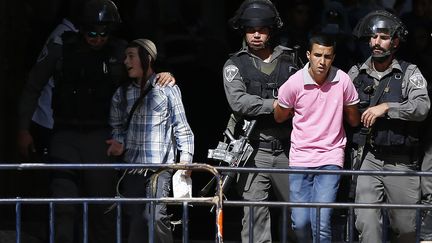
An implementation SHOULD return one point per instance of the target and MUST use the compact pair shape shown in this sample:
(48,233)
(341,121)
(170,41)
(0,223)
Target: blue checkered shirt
(158,128)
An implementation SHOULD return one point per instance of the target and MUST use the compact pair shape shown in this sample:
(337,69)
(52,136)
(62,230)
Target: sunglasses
(94,34)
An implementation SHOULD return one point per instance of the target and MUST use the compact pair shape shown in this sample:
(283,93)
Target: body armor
(386,132)
(263,85)
(85,82)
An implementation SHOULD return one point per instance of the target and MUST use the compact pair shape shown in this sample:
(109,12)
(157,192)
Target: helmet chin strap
(382,57)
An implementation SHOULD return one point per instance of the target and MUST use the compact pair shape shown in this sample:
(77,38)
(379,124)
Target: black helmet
(96,12)
(380,21)
(256,13)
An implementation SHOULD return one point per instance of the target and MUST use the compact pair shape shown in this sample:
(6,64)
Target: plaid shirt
(158,128)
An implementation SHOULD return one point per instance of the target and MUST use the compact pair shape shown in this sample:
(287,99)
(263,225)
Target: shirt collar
(367,65)
(277,51)
(333,76)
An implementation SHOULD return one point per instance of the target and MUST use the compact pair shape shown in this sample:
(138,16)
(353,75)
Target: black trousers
(79,146)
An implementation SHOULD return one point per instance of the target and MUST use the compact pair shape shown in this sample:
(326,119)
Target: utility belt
(273,145)
(399,150)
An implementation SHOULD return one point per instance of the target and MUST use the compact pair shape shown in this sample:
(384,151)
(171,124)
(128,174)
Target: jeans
(313,188)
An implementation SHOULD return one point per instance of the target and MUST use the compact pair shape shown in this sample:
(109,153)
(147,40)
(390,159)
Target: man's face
(133,63)
(381,43)
(320,60)
(96,37)
(257,37)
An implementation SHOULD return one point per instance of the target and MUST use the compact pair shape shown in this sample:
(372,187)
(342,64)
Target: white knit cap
(149,46)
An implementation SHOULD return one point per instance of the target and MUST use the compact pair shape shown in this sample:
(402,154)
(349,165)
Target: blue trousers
(313,188)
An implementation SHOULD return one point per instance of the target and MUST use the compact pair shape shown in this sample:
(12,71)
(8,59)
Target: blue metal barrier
(217,200)
(213,201)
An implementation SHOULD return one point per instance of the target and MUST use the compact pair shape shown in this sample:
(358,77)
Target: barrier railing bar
(118,223)
(206,202)
(85,222)
(153,221)
(418,225)
(284,224)
(351,224)
(108,200)
(318,224)
(51,222)
(217,199)
(216,169)
(384,225)
(251,224)
(328,205)
(335,172)
(185,222)
(18,221)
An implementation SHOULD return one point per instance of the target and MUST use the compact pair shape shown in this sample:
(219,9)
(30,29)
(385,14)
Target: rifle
(234,152)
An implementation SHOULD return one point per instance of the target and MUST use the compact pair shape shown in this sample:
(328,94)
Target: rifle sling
(363,134)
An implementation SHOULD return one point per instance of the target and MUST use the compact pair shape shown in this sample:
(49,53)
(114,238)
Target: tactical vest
(85,82)
(263,85)
(386,132)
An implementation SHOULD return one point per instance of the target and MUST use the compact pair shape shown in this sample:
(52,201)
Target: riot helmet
(256,13)
(381,21)
(100,12)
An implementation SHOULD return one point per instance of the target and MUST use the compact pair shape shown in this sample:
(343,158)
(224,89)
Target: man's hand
(25,144)
(165,78)
(282,114)
(115,148)
(369,116)
(187,172)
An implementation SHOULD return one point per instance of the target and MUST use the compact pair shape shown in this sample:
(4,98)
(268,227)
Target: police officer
(394,101)
(42,120)
(251,79)
(87,66)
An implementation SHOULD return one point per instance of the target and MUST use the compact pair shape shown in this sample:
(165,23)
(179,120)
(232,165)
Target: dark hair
(143,54)
(323,40)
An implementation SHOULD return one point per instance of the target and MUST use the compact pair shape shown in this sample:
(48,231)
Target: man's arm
(282,114)
(38,78)
(182,132)
(352,115)
(117,115)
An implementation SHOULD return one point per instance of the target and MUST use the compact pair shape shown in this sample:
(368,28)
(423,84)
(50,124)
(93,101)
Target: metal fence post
(118,222)
(185,222)
(18,221)
(85,222)
(51,222)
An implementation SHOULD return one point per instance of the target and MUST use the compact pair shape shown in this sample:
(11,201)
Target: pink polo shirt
(318,137)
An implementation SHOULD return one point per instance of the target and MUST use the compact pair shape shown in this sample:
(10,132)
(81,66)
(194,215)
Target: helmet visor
(380,22)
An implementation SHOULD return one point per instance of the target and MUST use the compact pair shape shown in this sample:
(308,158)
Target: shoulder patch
(230,72)
(418,81)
